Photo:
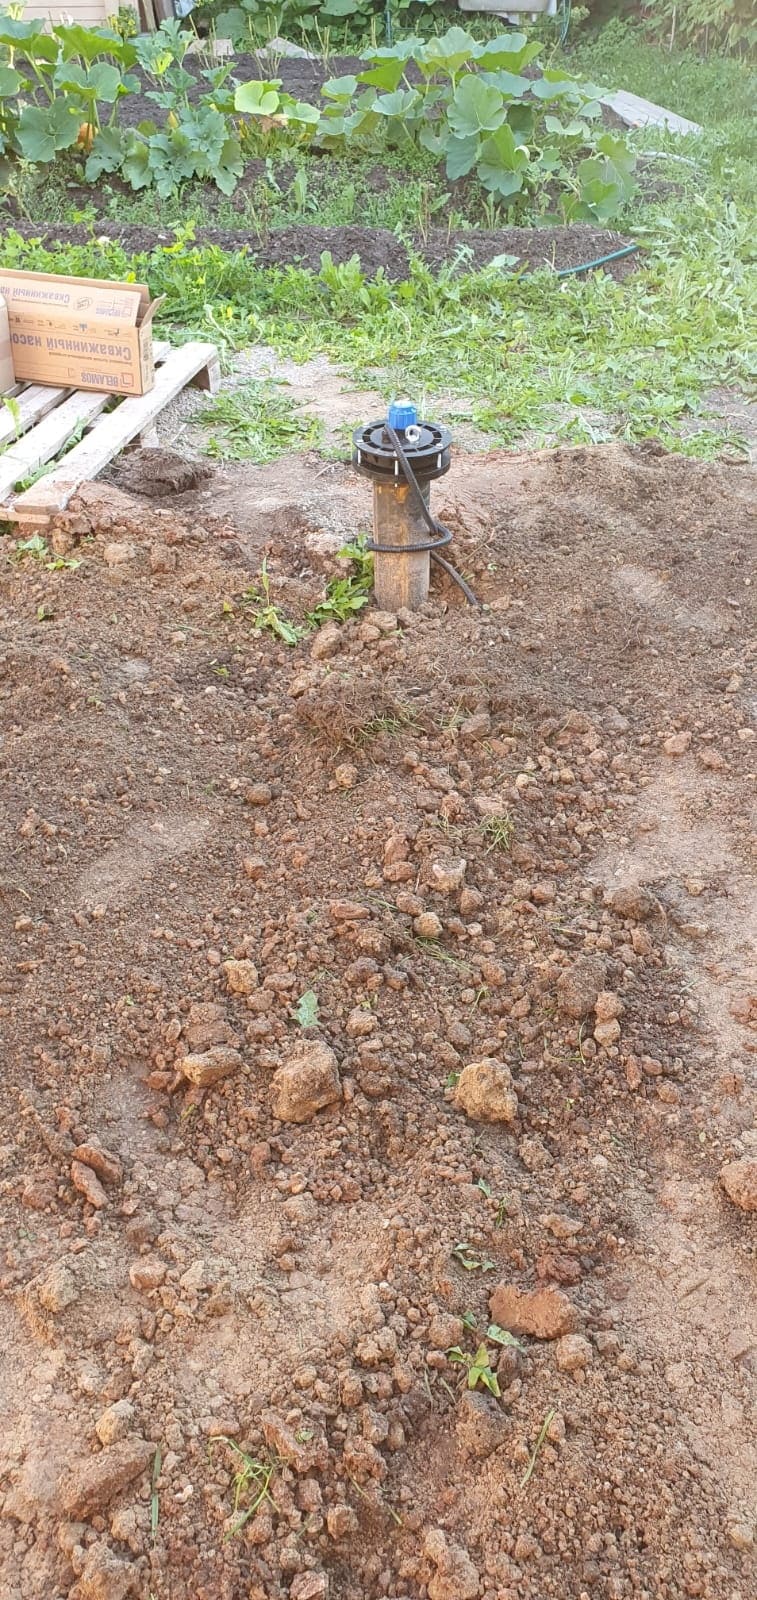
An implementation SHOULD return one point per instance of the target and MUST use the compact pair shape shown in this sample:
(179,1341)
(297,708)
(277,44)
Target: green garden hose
(586,266)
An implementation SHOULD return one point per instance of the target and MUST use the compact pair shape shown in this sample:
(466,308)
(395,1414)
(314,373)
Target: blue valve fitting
(402,414)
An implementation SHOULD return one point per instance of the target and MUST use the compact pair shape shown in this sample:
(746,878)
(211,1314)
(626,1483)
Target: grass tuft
(256,422)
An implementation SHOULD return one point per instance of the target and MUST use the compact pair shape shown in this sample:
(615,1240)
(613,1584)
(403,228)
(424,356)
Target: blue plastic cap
(402,415)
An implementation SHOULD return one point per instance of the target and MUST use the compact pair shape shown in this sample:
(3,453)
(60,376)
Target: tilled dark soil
(301,78)
(378,249)
(262,911)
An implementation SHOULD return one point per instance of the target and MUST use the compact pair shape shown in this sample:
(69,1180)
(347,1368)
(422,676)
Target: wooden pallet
(638,113)
(42,420)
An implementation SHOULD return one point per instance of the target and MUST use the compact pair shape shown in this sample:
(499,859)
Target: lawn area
(523,356)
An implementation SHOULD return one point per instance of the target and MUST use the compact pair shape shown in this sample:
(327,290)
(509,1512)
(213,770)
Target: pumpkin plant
(484,109)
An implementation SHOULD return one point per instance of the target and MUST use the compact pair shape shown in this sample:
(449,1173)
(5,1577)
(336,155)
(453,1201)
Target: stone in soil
(579,987)
(485,1093)
(114,1423)
(739,1179)
(88,1184)
(87,1487)
(454,1575)
(307,1082)
(210,1066)
(106,1166)
(295,1441)
(241,976)
(543,1313)
(106,1577)
(633,903)
(447,874)
(481,1425)
(573,1352)
(57,1290)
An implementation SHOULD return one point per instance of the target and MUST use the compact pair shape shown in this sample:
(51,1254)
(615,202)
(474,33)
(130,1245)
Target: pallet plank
(49,436)
(36,400)
(33,403)
(639,113)
(133,416)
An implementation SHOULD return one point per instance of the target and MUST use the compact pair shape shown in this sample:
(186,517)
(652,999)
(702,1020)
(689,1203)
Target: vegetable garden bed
(525,249)
(135,109)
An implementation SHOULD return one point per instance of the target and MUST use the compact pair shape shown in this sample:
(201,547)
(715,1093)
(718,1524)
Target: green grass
(711,91)
(256,422)
(498,831)
(525,358)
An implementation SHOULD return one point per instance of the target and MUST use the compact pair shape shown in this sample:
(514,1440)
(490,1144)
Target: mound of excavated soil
(355,996)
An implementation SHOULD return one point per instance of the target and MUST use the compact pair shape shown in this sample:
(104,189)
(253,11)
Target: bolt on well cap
(402,414)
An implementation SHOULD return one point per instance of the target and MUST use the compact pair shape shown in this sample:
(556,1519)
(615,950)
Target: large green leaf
(105,79)
(387,65)
(447,53)
(106,155)
(509,51)
(402,103)
(10,83)
(573,129)
(340,88)
(232,23)
(229,166)
(14,33)
(475,107)
(302,112)
(101,82)
(606,179)
(497,181)
(88,43)
(257,99)
(340,8)
(42,130)
(69,75)
(509,83)
(503,162)
(462,155)
(601,198)
(506,150)
(136,166)
(555,85)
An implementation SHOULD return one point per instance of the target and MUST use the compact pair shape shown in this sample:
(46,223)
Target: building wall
(88,12)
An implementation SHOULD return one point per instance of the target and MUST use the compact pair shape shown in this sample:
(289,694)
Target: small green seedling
(251,1484)
(37,549)
(501,1336)
(479,1369)
(470,1259)
(346,596)
(486,1188)
(268,617)
(13,408)
(306,1010)
(543,1431)
(499,1220)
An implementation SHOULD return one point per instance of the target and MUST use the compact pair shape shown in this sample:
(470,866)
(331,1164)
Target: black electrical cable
(442,534)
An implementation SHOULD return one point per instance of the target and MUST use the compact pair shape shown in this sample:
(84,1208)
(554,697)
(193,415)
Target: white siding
(89,12)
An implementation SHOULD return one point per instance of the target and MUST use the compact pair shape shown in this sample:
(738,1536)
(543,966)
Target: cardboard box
(7,374)
(80,333)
